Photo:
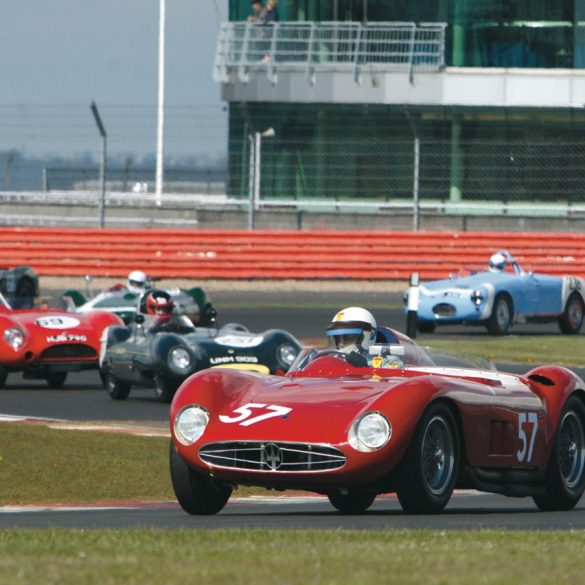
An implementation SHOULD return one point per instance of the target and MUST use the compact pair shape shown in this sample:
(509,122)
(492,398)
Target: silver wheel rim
(571,449)
(438,455)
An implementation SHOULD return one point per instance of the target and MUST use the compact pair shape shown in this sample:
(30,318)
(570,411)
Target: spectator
(258,12)
(270,13)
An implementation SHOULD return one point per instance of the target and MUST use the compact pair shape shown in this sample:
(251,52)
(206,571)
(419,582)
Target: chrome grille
(269,456)
(444,310)
(68,350)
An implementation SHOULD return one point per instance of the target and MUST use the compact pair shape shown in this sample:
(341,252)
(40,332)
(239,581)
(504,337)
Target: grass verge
(548,349)
(39,464)
(290,557)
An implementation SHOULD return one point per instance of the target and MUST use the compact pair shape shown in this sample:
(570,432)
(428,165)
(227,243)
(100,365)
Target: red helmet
(159,302)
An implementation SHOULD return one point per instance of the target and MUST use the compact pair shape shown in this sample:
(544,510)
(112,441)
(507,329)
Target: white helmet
(351,328)
(498,261)
(137,282)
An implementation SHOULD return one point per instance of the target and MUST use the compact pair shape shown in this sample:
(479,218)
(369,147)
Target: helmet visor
(345,337)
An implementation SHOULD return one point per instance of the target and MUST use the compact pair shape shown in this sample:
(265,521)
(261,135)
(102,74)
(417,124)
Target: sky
(60,55)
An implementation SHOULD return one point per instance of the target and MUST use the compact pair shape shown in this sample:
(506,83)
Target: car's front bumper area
(440,310)
(40,370)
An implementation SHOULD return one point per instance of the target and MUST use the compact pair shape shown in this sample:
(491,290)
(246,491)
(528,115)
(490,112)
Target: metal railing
(327,46)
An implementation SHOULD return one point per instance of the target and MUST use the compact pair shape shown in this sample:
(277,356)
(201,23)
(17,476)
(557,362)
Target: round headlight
(180,358)
(477,297)
(14,338)
(370,432)
(286,354)
(190,424)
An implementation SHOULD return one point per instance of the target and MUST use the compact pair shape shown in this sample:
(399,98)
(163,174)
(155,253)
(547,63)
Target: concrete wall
(226,217)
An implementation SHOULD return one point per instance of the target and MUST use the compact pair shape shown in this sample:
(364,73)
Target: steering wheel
(333,353)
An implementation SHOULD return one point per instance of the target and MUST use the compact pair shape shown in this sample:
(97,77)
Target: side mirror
(139,319)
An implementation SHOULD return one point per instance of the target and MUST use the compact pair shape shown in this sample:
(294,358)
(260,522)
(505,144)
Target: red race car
(49,343)
(419,428)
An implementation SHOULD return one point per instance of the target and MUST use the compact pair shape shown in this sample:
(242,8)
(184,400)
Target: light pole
(103,166)
(161,103)
(254,172)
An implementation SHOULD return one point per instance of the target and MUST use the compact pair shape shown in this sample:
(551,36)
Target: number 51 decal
(525,452)
(245,412)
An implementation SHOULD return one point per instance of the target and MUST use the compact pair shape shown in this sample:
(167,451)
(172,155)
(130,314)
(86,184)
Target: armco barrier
(228,254)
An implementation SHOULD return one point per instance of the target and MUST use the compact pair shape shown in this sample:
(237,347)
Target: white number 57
(246,411)
(525,451)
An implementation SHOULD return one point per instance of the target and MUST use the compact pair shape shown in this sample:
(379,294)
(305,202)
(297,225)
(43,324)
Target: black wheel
(425,326)
(500,320)
(116,389)
(565,473)
(572,318)
(428,473)
(197,493)
(3,376)
(56,379)
(163,390)
(25,293)
(354,502)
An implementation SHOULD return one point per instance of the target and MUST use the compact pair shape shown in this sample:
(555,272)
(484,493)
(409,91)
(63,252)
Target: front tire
(565,473)
(428,473)
(571,320)
(426,326)
(196,493)
(162,390)
(116,389)
(354,502)
(56,380)
(500,320)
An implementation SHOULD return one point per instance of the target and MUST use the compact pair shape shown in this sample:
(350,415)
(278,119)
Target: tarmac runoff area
(77,282)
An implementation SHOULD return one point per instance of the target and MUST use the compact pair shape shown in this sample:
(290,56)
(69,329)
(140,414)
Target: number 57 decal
(265,411)
(525,451)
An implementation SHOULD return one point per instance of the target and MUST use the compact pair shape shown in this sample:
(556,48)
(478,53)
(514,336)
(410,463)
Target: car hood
(54,324)
(471,282)
(305,409)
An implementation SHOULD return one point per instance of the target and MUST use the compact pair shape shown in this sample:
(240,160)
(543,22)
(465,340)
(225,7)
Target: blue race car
(500,297)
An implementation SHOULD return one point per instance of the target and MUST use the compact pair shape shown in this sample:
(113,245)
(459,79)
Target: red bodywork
(53,340)
(505,421)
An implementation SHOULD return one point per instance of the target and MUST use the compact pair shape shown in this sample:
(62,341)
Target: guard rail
(266,254)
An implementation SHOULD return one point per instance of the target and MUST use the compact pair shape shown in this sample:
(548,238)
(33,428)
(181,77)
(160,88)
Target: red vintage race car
(49,343)
(420,429)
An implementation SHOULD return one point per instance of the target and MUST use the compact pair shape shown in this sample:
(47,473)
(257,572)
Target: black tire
(428,472)
(196,493)
(571,320)
(25,293)
(425,326)
(565,473)
(502,316)
(163,391)
(116,389)
(56,380)
(354,502)
(3,376)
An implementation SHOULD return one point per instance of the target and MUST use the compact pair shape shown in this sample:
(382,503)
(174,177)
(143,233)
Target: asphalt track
(465,511)
(84,399)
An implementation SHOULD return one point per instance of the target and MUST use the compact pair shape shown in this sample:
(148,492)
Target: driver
(353,330)
(137,282)
(160,305)
(500,260)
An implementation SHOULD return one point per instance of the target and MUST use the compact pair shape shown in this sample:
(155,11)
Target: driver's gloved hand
(356,360)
